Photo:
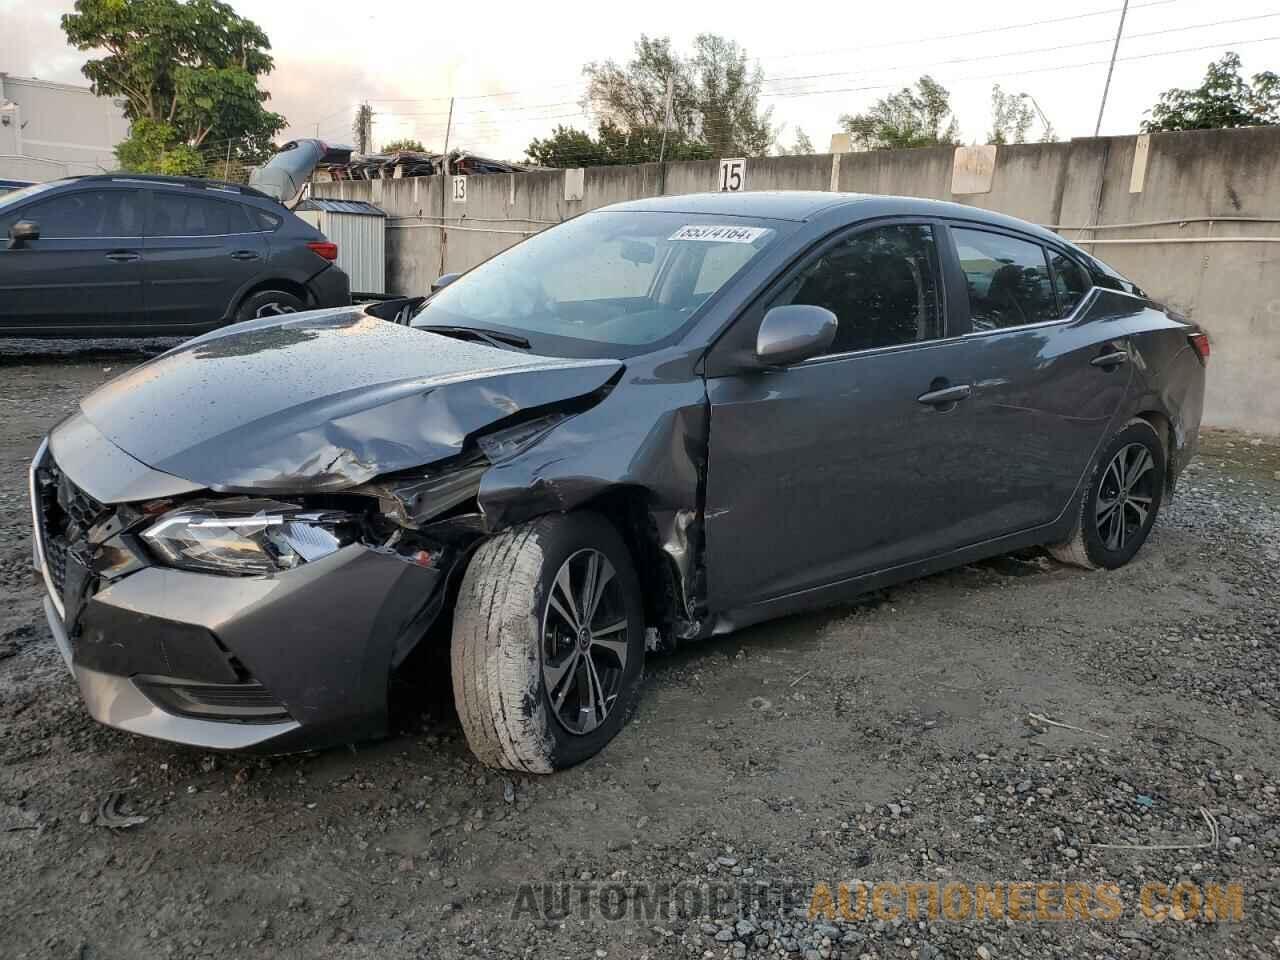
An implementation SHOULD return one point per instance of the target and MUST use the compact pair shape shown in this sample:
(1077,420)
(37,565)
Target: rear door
(1046,374)
(202,252)
(85,270)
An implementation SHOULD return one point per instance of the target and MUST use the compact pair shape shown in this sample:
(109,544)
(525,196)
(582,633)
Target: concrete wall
(51,130)
(1201,232)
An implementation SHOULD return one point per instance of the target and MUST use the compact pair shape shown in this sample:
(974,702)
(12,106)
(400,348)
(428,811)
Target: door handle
(244,255)
(1109,360)
(938,398)
(123,256)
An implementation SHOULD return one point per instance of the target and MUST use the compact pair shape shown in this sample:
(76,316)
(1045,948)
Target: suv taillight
(1200,343)
(324,248)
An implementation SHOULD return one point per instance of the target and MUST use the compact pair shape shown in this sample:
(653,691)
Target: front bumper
(294,661)
(117,702)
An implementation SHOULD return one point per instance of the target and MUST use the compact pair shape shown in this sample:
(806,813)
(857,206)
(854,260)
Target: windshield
(606,284)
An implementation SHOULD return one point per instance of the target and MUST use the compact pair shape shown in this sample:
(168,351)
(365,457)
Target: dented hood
(322,401)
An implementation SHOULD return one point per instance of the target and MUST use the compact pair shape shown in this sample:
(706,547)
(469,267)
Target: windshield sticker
(719,234)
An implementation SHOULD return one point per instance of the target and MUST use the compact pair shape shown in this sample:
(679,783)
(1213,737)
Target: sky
(515,68)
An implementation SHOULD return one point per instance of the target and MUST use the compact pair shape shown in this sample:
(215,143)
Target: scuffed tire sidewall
(496,647)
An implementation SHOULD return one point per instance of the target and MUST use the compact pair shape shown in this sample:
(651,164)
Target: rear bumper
(331,287)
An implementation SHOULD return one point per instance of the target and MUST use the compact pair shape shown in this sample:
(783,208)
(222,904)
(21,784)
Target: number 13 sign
(733,175)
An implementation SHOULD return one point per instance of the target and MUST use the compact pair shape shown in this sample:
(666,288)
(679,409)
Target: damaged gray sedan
(656,422)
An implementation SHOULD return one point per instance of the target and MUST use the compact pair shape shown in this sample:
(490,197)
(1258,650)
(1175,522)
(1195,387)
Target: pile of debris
(412,163)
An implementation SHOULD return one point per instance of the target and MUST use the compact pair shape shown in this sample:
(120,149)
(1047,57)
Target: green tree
(801,146)
(612,145)
(1224,99)
(362,128)
(407,144)
(715,95)
(919,117)
(188,73)
(1011,117)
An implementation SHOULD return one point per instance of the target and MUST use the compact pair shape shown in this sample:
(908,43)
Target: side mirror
(444,280)
(22,232)
(793,333)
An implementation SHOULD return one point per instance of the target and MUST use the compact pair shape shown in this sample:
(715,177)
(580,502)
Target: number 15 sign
(733,175)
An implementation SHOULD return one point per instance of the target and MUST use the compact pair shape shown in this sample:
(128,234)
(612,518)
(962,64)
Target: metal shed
(359,230)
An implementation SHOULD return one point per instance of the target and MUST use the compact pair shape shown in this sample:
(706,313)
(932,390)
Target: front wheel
(548,643)
(1120,502)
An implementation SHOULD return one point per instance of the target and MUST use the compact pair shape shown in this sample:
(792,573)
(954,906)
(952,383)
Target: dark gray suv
(128,255)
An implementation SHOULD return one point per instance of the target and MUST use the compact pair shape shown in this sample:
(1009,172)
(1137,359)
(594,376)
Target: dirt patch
(915,737)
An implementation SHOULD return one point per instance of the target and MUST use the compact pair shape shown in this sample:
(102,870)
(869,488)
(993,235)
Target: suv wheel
(548,643)
(1120,502)
(268,303)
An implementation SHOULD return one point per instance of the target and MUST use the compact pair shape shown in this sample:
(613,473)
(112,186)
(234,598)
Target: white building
(51,130)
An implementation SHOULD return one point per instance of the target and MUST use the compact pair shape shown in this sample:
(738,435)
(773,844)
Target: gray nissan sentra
(660,421)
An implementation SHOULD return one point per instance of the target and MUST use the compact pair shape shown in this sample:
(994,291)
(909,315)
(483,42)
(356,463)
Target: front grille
(65,514)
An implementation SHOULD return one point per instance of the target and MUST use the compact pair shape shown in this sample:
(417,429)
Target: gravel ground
(892,740)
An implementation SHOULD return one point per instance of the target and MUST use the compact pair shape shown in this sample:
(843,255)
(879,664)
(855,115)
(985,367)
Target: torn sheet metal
(650,439)
(323,402)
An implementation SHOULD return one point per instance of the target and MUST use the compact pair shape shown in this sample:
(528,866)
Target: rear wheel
(548,643)
(1120,503)
(268,303)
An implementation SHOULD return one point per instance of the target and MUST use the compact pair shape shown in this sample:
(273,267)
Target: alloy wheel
(274,309)
(584,641)
(1125,496)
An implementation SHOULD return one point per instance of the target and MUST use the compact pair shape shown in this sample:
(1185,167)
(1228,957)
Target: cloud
(32,43)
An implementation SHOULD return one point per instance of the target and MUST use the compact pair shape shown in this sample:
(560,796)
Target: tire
(266,303)
(510,623)
(1100,541)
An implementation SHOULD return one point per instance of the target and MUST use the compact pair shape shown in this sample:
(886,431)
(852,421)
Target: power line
(1021,53)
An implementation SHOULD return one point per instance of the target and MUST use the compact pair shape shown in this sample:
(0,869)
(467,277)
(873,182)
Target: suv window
(84,214)
(262,219)
(184,215)
(1008,280)
(1071,281)
(882,285)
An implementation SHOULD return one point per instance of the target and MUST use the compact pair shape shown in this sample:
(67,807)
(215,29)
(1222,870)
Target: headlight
(248,536)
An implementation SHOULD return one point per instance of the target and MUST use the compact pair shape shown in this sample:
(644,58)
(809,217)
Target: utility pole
(444,187)
(1110,67)
(1034,103)
(662,148)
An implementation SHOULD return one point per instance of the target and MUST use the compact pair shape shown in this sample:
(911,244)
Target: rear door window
(87,214)
(1007,279)
(184,215)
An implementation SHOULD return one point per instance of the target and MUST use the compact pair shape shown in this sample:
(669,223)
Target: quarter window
(86,214)
(1070,280)
(1008,280)
(882,285)
(182,215)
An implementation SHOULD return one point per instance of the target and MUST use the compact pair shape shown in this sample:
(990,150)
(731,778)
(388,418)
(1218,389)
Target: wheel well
(1164,430)
(627,509)
(284,286)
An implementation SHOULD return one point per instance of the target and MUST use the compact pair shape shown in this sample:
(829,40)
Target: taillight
(324,248)
(1200,343)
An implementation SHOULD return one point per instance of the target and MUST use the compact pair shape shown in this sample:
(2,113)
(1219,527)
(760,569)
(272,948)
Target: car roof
(802,205)
(770,204)
(195,183)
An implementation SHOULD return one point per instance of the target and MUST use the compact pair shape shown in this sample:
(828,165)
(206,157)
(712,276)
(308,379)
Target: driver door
(833,467)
